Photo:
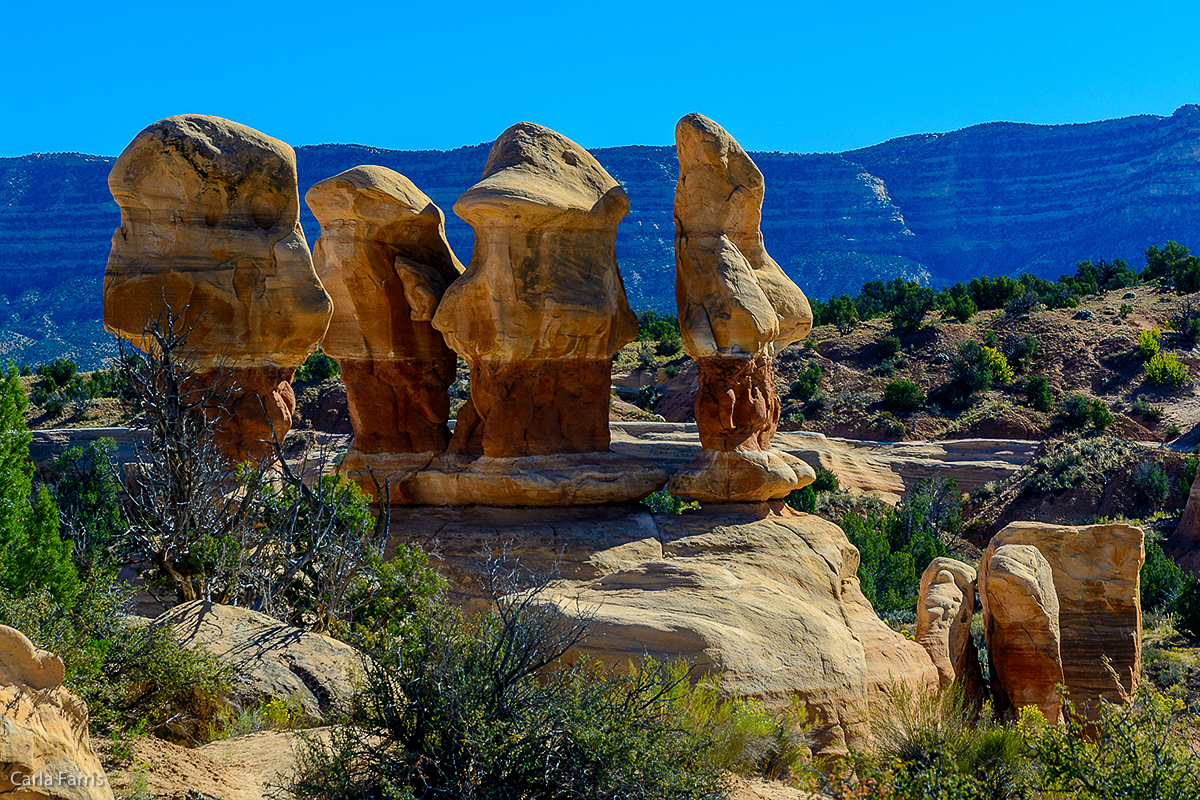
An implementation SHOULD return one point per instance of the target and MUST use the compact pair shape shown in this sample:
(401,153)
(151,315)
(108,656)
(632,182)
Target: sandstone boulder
(1021,622)
(1184,543)
(1097,577)
(45,751)
(763,596)
(737,309)
(384,259)
(538,316)
(210,228)
(270,659)
(945,608)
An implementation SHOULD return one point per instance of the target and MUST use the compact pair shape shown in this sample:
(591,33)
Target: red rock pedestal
(257,414)
(737,412)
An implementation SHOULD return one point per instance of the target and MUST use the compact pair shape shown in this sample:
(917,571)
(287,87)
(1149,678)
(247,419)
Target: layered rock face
(737,309)
(45,751)
(210,229)
(1096,571)
(383,257)
(1021,622)
(945,608)
(538,316)
(765,597)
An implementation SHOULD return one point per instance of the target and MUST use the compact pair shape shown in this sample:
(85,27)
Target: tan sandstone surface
(210,228)
(765,596)
(45,750)
(384,258)
(270,659)
(1184,543)
(1097,572)
(1021,622)
(737,309)
(945,608)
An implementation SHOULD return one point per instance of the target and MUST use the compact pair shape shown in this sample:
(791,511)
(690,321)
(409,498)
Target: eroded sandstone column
(210,228)
(737,309)
(538,316)
(944,613)
(1021,622)
(384,258)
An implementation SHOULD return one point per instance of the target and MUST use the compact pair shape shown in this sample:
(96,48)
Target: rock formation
(383,257)
(270,659)
(944,613)
(765,597)
(1097,570)
(1021,622)
(737,309)
(1184,543)
(45,751)
(210,229)
(538,316)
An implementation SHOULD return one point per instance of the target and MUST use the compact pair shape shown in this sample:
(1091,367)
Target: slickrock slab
(538,316)
(384,259)
(737,309)
(1097,576)
(1021,622)
(945,608)
(210,228)
(765,596)
(45,751)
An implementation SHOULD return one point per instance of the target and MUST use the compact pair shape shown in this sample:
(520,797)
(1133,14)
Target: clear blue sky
(408,74)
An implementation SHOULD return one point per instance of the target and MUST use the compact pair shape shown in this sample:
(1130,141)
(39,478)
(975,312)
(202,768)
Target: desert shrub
(131,676)
(911,307)
(934,747)
(957,303)
(1186,323)
(317,368)
(1149,341)
(663,502)
(1022,304)
(1078,412)
(1161,579)
(466,708)
(1187,608)
(826,480)
(1023,352)
(1144,408)
(1100,415)
(1164,369)
(903,395)
(1172,265)
(978,367)
(1037,394)
(648,397)
(839,311)
(1150,482)
(807,382)
(1068,463)
(1126,309)
(1136,749)
(888,346)
(805,498)
(89,503)
(59,372)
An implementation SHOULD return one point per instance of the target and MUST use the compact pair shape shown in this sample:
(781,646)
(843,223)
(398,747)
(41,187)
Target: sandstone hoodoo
(45,750)
(1097,570)
(944,613)
(383,257)
(737,309)
(538,316)
(210,228)
(1021,623)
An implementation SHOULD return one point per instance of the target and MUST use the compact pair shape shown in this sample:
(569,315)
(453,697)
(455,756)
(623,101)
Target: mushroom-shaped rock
(384,259)
(944,613)
(1097,579)
(45,751)
(210,229)
(737,309)
(1021,623)
(538,316)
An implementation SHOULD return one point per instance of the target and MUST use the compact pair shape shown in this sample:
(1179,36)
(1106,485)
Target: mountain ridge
(993,198)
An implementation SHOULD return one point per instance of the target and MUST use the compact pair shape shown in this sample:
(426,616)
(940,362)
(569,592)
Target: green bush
(1187,608)
(468,709)
(978,367)
(903,395)
(957,304)
(888,346)
(1144,408)
(89,504)
(1024,351)
(1100,415)
(1161,579)
(807,383)
(1149,342)
(909,312)
(1150,482)
(59,373)
(1022,304)
(805,498)
(1135,750)
(1077,412)
(1186,323)
(1164,369)
(1037,394)
(663,502)
(317,368)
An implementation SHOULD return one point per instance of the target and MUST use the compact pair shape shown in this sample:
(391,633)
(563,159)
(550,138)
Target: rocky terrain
(999,198)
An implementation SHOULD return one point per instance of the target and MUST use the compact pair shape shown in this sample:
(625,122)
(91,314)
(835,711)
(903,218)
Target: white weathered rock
(944,613)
